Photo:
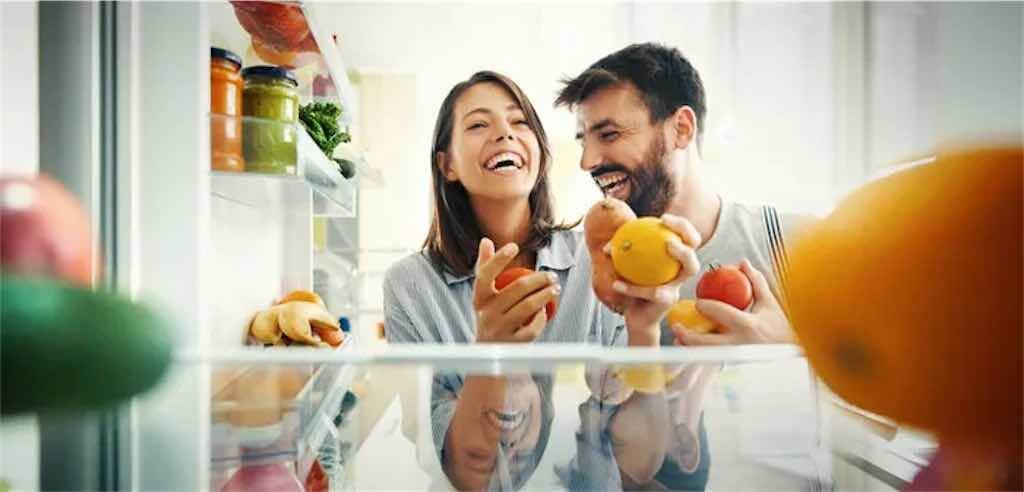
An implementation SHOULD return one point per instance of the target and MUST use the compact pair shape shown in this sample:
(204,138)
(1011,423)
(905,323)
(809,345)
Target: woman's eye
(520,122)
(474,126)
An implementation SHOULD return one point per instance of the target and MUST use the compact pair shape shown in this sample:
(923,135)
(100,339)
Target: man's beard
(651,189)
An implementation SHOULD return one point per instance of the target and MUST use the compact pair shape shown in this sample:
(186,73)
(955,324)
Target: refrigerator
(130,87)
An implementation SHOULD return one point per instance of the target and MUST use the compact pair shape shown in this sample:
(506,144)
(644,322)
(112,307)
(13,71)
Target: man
(640,118)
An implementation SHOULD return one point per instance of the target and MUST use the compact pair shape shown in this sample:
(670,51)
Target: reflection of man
(503,447)
(640,119)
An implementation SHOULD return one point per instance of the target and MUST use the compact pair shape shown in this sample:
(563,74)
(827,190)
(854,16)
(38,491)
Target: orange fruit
(640,252)
(684,313)
(908,298)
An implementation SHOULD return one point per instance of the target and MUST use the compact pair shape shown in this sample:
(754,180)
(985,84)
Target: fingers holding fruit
(670,249)
(489,264)
(511,315)
(685,316)
(762,293)
(516,285)
(741,307)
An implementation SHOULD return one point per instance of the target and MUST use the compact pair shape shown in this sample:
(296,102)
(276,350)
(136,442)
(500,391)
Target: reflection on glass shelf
(262,412)
(283,165)
(549,430)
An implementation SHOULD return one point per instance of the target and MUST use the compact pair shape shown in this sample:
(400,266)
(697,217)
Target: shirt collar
(557,255)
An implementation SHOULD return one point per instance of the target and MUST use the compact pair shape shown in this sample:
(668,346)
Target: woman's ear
(684,122)
(441,159)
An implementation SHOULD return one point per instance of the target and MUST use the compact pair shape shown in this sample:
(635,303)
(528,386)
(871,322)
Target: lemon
(640,252)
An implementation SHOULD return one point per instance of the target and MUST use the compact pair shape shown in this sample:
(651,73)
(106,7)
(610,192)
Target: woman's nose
(504,131)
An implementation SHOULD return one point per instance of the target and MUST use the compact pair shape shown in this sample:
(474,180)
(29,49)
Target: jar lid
(224,54)
(270,72)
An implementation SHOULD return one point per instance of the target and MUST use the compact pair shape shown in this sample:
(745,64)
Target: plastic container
(226,100)
(271,94)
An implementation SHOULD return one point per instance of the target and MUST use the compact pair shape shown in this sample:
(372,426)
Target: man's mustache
(607,168)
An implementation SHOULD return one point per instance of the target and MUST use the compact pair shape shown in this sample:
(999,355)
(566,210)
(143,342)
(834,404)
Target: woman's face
(494,153)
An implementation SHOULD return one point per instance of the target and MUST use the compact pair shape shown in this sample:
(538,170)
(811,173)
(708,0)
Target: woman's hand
(515,314)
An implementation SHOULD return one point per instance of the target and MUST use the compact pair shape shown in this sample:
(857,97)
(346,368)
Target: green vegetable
(68,348)
(346,167)
(321,122)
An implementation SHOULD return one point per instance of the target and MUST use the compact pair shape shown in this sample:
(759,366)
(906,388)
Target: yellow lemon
(684,313)
(640,252)
(646,378)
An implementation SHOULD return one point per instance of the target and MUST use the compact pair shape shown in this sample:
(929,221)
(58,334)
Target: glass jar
(270,142)
(226,107)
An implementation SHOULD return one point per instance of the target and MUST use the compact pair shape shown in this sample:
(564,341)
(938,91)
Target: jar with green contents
(270,144)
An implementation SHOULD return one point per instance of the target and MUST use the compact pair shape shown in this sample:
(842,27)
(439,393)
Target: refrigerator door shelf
(303,169)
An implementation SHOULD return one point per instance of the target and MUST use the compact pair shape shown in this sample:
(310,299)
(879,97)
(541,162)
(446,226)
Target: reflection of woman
(489,164)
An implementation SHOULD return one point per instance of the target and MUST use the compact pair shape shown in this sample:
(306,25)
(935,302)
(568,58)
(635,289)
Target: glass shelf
(281,176)
(263,412)
(764,393)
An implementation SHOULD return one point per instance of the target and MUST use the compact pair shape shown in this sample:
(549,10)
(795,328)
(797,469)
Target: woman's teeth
(508,421)
(505,162)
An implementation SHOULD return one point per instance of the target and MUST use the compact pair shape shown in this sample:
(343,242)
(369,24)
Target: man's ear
(684,122)
(441,160)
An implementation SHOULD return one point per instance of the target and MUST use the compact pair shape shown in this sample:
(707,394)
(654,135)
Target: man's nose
(590,158)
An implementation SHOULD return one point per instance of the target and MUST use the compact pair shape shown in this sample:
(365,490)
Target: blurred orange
(908,297)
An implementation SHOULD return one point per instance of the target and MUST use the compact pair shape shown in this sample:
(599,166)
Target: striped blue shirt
(424,304)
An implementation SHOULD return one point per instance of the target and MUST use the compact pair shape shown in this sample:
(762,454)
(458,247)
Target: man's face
(623,151)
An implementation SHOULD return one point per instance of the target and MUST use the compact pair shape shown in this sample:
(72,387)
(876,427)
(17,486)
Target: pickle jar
(271,104)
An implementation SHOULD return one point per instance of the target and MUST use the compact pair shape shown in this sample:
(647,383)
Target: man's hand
(765,323)
(647,305)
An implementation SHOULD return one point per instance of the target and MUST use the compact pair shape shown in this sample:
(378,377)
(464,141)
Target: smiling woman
(489,164)
(489,148)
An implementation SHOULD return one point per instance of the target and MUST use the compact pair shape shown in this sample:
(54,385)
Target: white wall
(19,154)
(805,99)
(19,88)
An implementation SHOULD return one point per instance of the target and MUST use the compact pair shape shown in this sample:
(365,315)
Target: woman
(489,164)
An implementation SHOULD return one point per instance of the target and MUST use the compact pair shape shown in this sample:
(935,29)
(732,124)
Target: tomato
(511,275)
(726,284)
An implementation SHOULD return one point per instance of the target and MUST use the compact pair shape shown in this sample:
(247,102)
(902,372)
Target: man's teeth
(504,159)
(610,181)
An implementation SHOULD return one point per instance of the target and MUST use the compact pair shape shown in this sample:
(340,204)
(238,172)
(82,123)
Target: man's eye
(608,136)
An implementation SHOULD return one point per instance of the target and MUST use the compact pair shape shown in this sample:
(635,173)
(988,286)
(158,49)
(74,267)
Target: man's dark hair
(665,78)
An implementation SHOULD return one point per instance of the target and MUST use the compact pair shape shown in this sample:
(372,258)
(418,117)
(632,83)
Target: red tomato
(726,284)
(510,275)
